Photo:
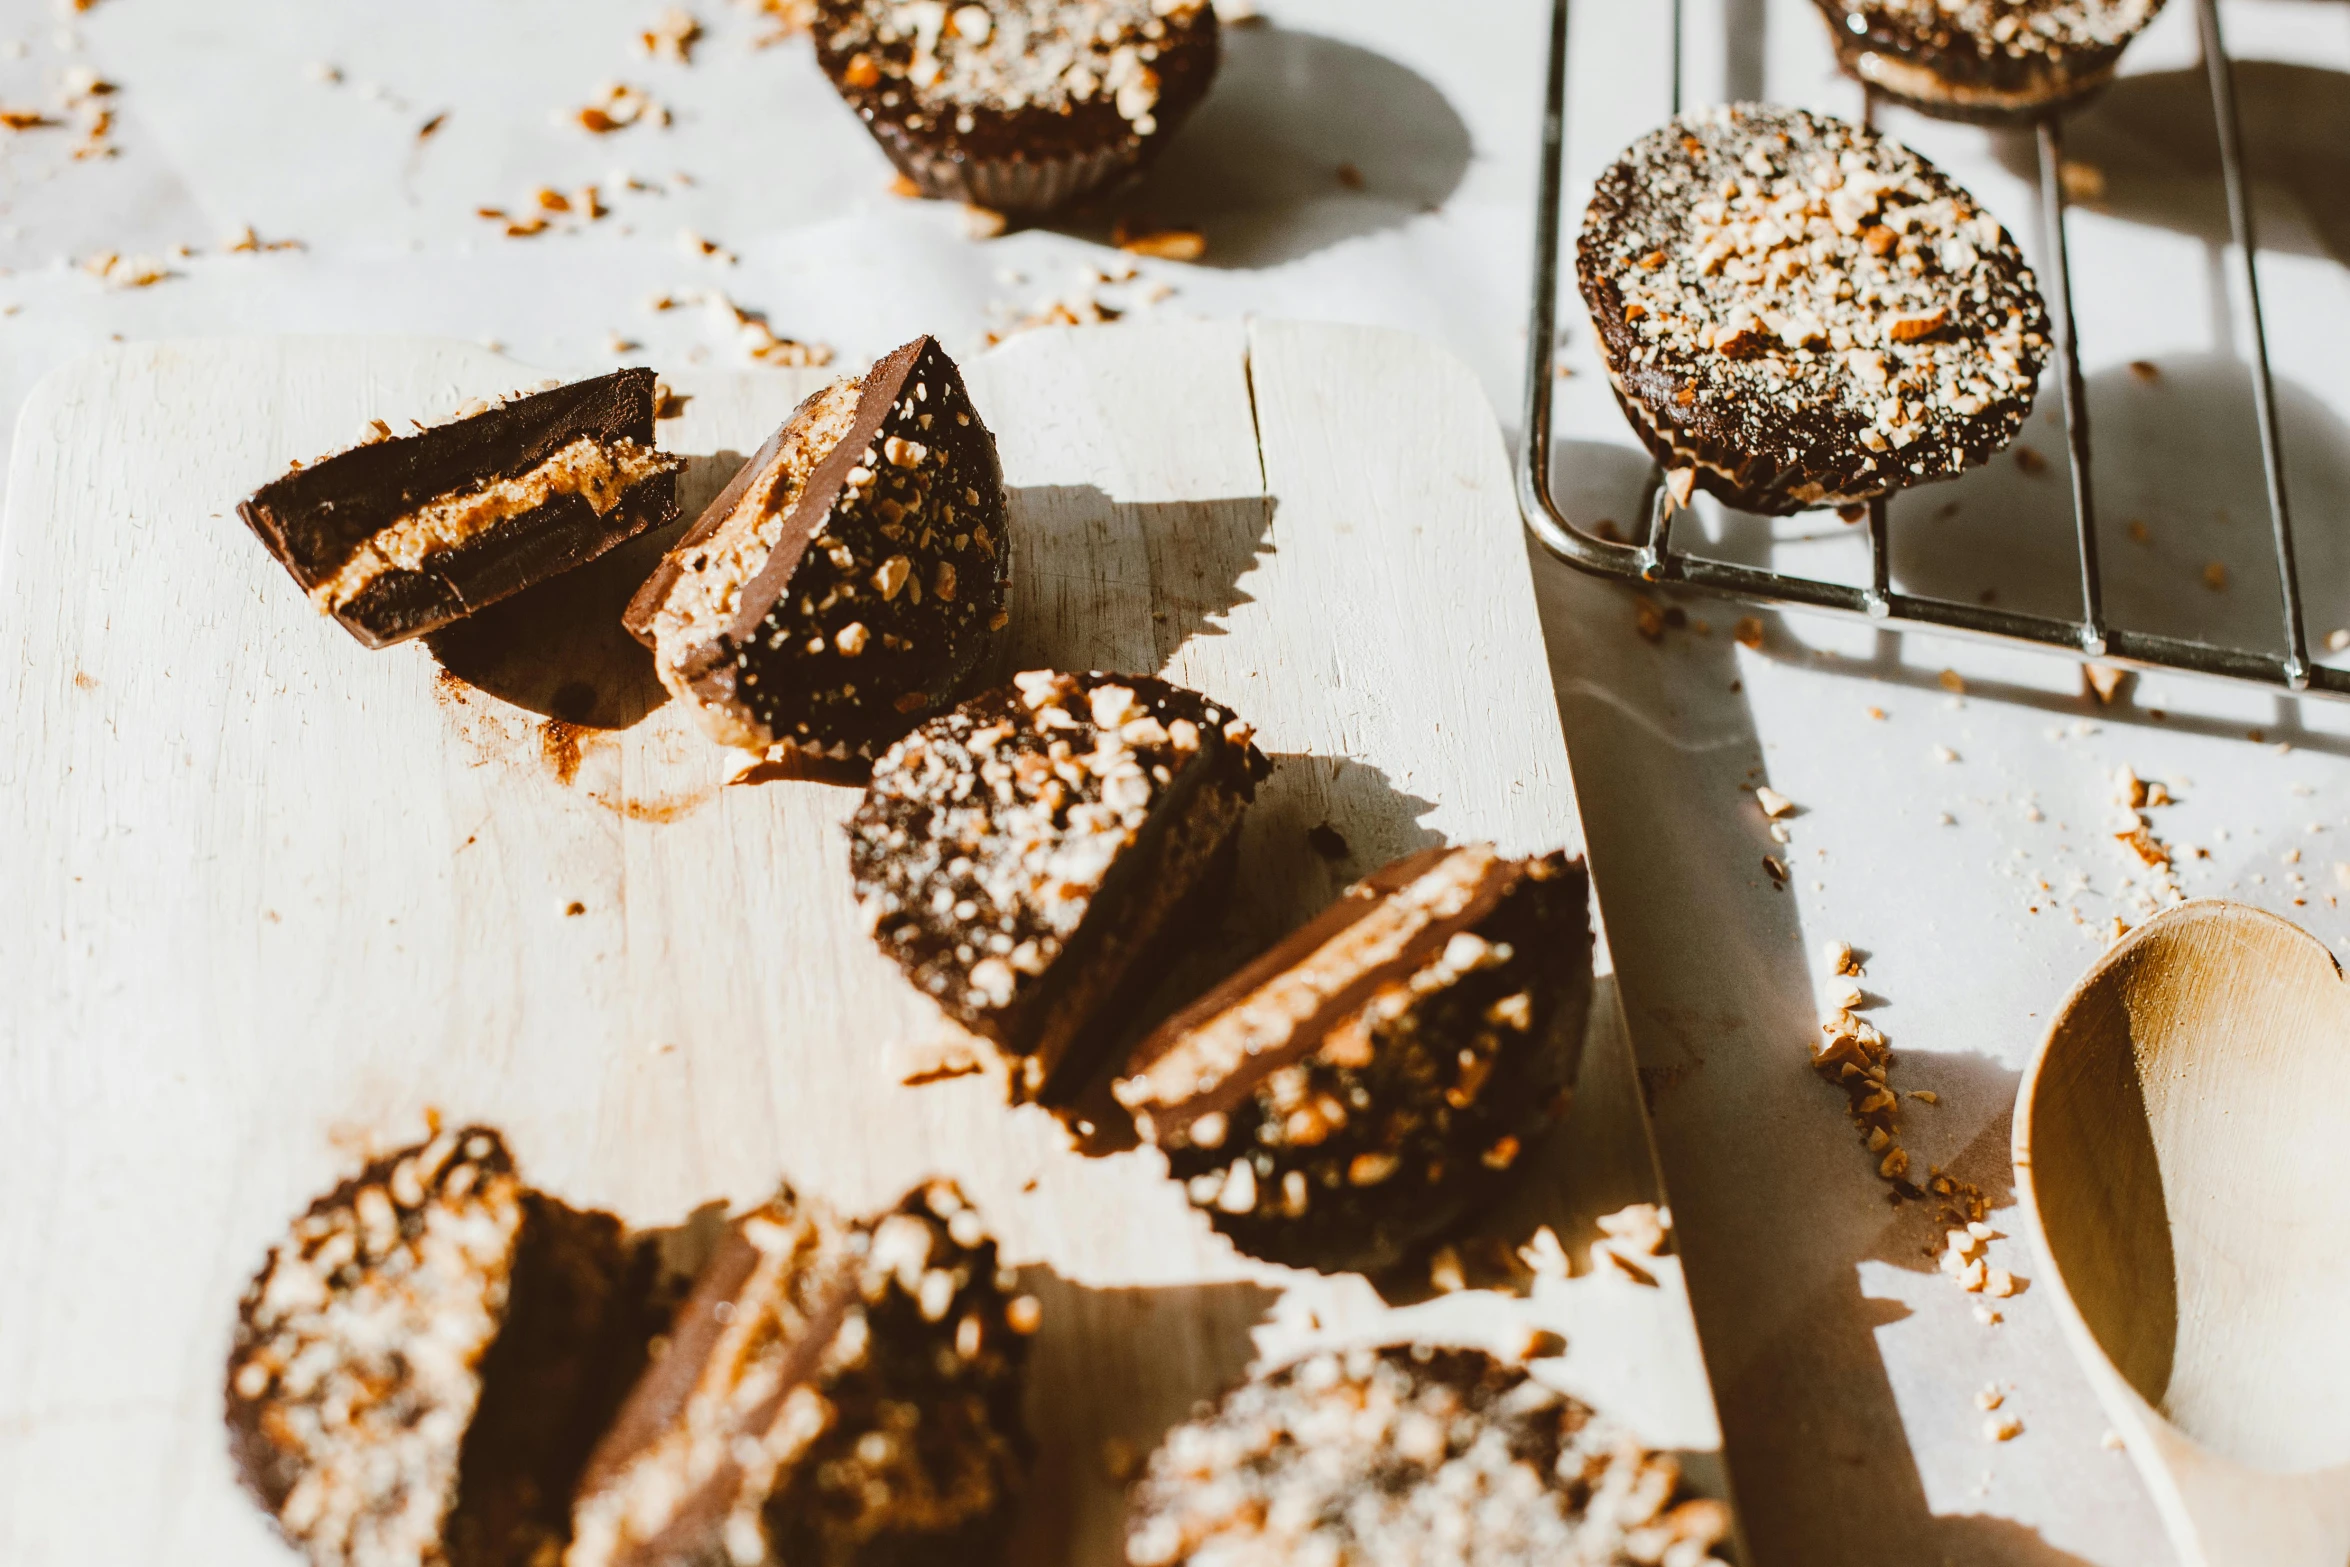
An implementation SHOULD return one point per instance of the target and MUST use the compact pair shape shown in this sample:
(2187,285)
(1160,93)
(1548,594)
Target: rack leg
(2076,394)
(2264,397)
(1880,595)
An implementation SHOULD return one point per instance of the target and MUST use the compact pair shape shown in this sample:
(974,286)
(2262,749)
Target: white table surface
(1845,1366)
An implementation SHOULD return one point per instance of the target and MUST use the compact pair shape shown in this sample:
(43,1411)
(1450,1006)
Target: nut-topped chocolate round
(1019,105)
(1033,858)
(1407,1456)
(1796,312)
(1985,60)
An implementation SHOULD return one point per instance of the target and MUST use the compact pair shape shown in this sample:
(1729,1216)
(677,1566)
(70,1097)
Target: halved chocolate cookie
(832,1393)
(853,577)
(1412,1454)
(1030,858)
(404,535)
(1985,60)
(1019,105)
(1796,312)
(1347,1095)
(422,1366)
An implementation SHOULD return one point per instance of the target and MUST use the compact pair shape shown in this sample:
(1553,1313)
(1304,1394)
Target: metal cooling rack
(1656,560)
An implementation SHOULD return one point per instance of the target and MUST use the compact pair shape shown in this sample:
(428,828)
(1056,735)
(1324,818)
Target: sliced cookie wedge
(421,1367)
(404,535)
(1030,858)
(852,579)
(1343,1098)
(1019,105)
(1413,1454)
(1988,61)
(832,1394)
(1796,312)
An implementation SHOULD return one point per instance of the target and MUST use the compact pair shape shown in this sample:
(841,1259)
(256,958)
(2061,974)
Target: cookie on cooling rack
(851,579)
(1796,312)
(403,535)
(1412,1454)
(1354,1090)
(832,1392)
(422,1366)
(1985,60)
(1033,858)
(1018,105)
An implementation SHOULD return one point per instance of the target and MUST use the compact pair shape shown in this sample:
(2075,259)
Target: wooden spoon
(2182,1151)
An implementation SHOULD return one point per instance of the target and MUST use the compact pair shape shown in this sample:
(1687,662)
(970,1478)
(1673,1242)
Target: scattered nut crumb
(672,36)
(2030,461)
(1444,1271)
(2104,681)
(1748,632)
(1543,1256)
(2082,182)
(1773,803)
(2002,1428)
(982,222)
(2215,576)
(1164,244)
(1952,680)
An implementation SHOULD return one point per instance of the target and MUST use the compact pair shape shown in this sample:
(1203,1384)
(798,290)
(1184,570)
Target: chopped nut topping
(1411,1455)
(1850,320)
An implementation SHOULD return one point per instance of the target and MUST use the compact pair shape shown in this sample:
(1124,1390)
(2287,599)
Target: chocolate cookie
(1019,105)
(1985,60)
(1410,1455)
(851,580)
(1031,857)
(1796,312)
(1354,1090)
(832,1395)
(422,1366)
(406,534)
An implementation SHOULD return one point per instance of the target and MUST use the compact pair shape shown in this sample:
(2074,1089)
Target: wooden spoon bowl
(2182,1152)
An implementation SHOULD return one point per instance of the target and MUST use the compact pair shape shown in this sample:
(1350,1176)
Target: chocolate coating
(833,1393)
(1796,312)
(1027,855)
(874,596)
(1985,61)
(420,1368)
(1010,131)
(1408,1455)
(1342,1099)
(316,519)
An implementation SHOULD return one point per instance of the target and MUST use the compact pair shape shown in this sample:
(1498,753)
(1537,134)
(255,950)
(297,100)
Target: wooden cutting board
(272,897)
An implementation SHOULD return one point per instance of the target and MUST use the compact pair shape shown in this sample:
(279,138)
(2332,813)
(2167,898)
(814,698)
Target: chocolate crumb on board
(1796,312)
(832,1393)
(1407,1455)
(1019,106)
(1343,1098)
(851,580)
(421,1367)
(1033,858)
(399,537)
(1988,61)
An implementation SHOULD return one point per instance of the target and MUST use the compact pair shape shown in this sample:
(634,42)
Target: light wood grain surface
(275,896)
(2183,1152)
